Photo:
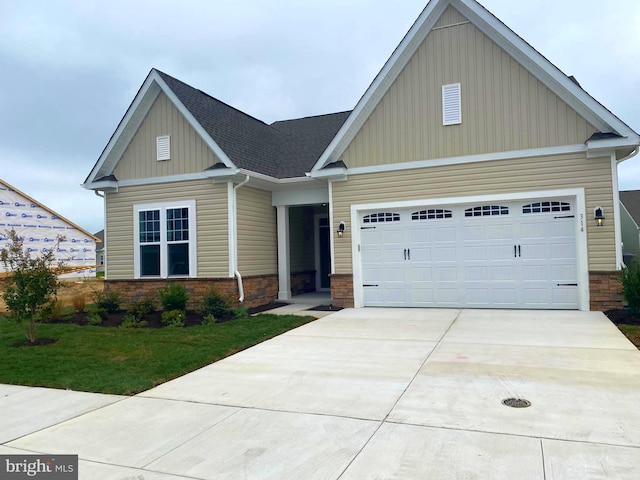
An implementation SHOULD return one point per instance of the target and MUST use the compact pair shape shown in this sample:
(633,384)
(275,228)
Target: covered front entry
(307,245)
(485,254)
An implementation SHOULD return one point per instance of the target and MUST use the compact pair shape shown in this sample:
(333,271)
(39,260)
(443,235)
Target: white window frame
(163,148)
(163,207)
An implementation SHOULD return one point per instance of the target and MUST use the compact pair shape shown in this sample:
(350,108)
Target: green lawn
(632,332)
(124,360)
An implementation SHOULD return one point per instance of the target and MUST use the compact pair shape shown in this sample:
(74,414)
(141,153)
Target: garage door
(494,255)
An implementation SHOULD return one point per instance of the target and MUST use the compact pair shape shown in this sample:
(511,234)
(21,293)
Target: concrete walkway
(367,394)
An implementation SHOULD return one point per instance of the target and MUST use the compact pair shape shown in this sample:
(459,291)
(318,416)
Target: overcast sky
(70,69)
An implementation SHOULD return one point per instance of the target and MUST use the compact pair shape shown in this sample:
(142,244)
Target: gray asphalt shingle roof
(284,149)
(631,201)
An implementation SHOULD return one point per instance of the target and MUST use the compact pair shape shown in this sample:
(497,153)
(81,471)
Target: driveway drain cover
(516,402)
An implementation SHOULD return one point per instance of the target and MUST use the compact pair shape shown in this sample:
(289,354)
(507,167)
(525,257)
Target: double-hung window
(165,243)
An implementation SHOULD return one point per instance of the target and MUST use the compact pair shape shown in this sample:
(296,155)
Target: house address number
(582,222)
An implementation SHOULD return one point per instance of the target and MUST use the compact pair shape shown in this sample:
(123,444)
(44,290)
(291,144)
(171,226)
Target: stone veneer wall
(303,282)
(258,290)
(605,291)
(342,290)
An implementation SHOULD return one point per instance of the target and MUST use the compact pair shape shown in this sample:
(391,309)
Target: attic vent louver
(451,105)
(163,148)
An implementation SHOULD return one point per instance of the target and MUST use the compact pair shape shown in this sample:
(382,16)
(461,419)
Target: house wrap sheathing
(40,228)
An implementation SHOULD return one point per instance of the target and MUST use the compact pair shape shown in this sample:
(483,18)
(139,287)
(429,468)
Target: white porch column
(284,261)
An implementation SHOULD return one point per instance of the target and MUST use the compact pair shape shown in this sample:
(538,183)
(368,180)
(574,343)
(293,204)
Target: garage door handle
(515,251)
(405,253)
(519,253)
(408,254)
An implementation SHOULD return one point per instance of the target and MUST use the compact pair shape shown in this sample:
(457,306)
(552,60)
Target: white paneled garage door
(491,255)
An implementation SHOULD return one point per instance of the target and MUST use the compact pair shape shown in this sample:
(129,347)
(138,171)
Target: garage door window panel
(486,211)
(546,207)
(381,217)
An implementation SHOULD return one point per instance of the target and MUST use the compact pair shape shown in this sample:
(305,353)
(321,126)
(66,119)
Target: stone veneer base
(258,290)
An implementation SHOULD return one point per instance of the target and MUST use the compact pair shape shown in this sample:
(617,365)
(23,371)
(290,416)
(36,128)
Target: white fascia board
(438,162)
(604,148)
(215,148)
(105,186)
(524,53)
(542,68)
(335,174)
(126,129)
(132,120)
(382,82)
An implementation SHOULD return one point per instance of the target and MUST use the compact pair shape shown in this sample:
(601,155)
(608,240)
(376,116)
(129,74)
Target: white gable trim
(524,53)
(142,103)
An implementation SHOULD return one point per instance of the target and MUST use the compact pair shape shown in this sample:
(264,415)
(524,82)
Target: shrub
(79,302)
(55,312)
(630,278)
(32,283)
(208,319)
(240,313)
(94,318)
(173,296)
(110,301)
(215,304)
(173,318)
(141,308)
(131,321)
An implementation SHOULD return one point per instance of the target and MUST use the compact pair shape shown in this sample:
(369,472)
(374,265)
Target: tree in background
(32,283)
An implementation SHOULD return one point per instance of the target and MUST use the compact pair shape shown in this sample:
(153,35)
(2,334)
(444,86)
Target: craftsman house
(472,173)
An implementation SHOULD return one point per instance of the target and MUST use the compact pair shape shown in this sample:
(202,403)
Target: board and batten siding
(504,107)
(257,232)
(486,178)
(189,153)
(211,218)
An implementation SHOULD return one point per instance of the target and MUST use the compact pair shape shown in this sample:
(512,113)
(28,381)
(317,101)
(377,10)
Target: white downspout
(235,238)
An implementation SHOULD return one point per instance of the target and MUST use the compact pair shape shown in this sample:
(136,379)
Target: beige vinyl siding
(486,178)
(302,239)
(211,218)
(257,232)
(189,153)
(504,107)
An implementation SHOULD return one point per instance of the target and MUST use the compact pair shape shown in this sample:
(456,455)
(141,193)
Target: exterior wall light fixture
(341,228)
(598,215)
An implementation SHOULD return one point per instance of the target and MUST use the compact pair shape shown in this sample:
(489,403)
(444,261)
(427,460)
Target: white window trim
(163,152)
(163,207)
(451,104)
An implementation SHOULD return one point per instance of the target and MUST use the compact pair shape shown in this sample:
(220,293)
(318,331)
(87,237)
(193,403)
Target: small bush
(173,318)
(173,296)
(240,313)
(630,278)
(79,302)
(110,300)
(55,313)
(94,318)
(215,304)
(131,321)
(209,319)
(141,308)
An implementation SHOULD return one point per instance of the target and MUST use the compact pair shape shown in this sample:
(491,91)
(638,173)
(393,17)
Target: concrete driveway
(369,394)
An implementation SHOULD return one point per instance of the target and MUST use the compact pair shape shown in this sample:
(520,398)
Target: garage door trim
(581,219)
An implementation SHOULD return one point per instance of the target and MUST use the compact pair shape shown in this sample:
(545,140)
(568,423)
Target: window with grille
(486,211)
(165,240)
(381,217)
(544,207)
(431,214)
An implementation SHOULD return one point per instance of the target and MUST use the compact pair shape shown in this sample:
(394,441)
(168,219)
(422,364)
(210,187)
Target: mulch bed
(623,317)
(325,308)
